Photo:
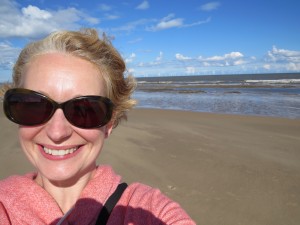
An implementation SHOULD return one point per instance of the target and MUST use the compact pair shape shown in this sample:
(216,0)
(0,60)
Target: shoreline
(222,168)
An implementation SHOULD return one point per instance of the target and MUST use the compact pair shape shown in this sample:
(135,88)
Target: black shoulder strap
(110,204)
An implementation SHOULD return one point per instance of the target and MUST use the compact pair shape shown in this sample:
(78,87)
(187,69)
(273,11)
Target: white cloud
(234,55)
(239,62)
(36,13)
(131,26)
(110,16)
(229,56)
(267,66)
(160,57)
(144,5)
(105,7)
(155,63)
(33,22)
(210,6)
(283,55)
(181,57)
(135,41)
(92,20)
(282,60)
(295,67)
(230,63)
(197,23)
(8,55)
(229,59)
(206,64)
(167,22)
(162,24)
(130,58)
(130,70)
(190,70)
(170,22)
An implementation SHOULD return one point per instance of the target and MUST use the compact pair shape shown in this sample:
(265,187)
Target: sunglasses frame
(55,105)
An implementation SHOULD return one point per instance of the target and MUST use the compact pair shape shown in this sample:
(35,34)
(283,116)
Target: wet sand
(222,169)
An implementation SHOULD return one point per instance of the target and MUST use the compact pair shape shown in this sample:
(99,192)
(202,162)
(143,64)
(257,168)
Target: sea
(274,95)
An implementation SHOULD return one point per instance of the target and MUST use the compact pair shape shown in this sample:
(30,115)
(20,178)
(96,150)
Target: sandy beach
(222,169)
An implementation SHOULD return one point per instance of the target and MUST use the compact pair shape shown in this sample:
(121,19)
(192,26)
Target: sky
(167,37)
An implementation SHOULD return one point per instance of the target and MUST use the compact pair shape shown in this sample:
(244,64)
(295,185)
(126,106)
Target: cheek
(27,136)
(30,135)
(27,133)
(93,136)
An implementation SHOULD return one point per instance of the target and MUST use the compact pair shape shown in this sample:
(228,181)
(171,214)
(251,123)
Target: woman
(68,93)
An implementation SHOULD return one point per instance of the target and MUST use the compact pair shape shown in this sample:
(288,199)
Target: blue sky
(167,37)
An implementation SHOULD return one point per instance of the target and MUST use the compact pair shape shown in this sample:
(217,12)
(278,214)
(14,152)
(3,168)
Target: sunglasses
(31,108)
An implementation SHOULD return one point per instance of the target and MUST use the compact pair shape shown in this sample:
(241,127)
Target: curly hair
(87,44)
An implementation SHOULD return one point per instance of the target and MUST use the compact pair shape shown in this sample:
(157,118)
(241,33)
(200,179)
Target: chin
(62,176)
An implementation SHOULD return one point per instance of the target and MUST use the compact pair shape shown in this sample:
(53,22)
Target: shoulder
(13,187)
(144,196)
(14,180)
(144,193)
(143,202)
(9,184)
(9,196)
(4,218)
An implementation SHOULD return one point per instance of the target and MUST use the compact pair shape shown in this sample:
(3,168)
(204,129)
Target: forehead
(63,72)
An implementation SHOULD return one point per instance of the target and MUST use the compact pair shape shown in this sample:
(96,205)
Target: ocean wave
(279,81)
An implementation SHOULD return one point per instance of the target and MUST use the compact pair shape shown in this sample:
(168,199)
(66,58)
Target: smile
(59,152)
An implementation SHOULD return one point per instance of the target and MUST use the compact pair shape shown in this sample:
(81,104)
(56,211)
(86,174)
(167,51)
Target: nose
(58,128)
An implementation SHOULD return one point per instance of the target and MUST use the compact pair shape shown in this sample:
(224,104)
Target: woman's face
(62,77)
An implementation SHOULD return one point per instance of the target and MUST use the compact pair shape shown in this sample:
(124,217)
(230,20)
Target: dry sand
(223,169)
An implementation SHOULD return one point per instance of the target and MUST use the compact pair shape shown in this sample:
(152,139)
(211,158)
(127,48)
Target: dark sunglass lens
(28,108)
(87,112)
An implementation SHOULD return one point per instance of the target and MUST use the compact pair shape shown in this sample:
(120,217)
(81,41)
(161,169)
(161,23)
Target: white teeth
(59,152)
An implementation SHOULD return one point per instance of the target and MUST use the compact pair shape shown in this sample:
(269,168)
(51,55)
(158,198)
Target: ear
(108,128)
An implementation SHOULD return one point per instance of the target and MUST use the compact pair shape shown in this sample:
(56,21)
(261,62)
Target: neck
(65,193)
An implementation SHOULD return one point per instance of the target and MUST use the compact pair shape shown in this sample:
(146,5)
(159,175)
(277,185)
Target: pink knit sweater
(23,202)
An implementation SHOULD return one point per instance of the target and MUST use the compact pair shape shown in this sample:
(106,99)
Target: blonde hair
(87,45)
